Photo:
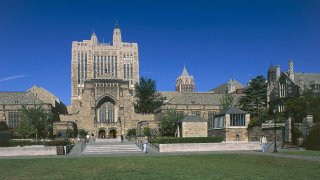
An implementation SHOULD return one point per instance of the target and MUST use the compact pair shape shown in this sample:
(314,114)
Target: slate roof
(307,78)
(19,98)
(222,89)
(192,118)
(197,98)
(231,110)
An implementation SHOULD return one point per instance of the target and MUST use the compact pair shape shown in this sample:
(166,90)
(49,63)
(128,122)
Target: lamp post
(275,131)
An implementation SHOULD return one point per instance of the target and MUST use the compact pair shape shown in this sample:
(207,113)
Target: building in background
(185,82)
(286,84)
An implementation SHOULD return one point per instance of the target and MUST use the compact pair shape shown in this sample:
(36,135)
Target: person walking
(87,138)
(122,138)
(263,143)
(145,144)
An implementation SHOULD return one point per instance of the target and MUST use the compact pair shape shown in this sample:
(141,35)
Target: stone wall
(196,147)
(28,151)
(236,134)
(194,129)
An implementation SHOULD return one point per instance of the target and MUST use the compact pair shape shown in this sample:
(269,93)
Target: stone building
(231,123)
(103,78)
(185,82)
(232,86)
(92,59)
(12,102)
(201,104)
(192,126)
(286,84)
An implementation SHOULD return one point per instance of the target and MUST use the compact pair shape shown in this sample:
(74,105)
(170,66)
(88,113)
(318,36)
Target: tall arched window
(106,113)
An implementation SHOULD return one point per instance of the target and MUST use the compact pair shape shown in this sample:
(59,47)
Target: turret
(291,75)
(94,38)
(116,36)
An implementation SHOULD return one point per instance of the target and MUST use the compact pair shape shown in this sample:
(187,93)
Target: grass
(213,166)
(303,153)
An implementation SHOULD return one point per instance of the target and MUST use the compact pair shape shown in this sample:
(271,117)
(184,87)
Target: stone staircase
(102,147)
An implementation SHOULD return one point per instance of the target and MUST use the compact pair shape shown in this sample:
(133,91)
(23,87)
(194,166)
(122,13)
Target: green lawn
(213,166)
(302,153)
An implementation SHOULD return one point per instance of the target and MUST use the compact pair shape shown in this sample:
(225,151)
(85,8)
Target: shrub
(132,132)
(82,133)
(3,126)
(147,131)
(57,143)
(313,141)
(171,140)
(4,143)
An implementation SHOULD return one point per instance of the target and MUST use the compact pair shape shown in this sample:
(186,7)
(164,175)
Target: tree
(3,126)
(255,100)
(227,100)
(301,106)
(147,131)
(168,123)
(147,97)
(34,122)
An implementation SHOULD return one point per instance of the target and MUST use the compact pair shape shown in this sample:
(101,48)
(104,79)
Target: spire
(117,40)
(116,25)
(184,71)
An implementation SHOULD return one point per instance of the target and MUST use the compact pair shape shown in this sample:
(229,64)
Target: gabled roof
(307,78)
(197,98)
(19,98)
(231,110)
(222,89)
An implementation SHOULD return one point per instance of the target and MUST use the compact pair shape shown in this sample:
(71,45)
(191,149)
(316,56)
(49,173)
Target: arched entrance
(112,134)
(102,134)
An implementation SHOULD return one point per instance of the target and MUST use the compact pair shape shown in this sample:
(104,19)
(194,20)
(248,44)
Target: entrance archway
(112,134)
(102,134)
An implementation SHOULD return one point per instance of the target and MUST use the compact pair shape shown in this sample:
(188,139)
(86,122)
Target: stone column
(307,124)
(288,127)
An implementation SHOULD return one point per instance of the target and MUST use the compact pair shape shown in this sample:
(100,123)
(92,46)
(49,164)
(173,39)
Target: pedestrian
(87,138)
(122,138)
(78,139)
(263,143)
(145,144)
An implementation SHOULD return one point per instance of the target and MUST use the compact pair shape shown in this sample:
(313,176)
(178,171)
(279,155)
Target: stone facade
(103,78)
(92,59)
(287,84)
(12,102)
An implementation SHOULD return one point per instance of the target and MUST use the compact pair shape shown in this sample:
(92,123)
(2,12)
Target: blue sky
(216,40)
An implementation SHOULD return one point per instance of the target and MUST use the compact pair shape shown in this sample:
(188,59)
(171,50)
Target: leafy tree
(82,133)
(255,100)
(132,132)
(147,131)
(34,122)
(3,126)
(227,100)
(301,106)
(168,123)
(147,97)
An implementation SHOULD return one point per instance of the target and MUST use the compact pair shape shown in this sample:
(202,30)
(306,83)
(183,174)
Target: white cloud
(12,77)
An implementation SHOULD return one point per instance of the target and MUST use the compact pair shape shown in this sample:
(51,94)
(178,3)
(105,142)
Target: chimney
(291,75)
(277,71)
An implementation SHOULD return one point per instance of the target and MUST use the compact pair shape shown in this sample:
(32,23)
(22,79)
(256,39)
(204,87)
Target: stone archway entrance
(102,134)
(112,134)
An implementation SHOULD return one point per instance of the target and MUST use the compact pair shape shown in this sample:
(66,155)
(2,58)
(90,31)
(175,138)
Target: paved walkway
(76,153)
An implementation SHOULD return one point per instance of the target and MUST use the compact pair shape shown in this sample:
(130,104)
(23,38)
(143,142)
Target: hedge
(313,140)
(172,140)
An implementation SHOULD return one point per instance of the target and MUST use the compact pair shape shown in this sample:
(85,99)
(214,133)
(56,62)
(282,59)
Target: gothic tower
(185,82)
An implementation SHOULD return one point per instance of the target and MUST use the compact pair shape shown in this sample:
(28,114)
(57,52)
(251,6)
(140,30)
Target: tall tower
(185,82)
(94,60)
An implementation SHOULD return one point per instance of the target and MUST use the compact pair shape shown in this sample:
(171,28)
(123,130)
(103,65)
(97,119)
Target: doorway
(112,134)
(102,134)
